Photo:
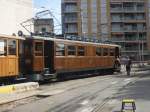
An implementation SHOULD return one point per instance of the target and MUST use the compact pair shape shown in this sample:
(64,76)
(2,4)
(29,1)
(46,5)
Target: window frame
(61,50)
(16,48)
(5,47)
(101,51)
(104,48)
(79,51)
(111,52)
(35,51)
(75,51)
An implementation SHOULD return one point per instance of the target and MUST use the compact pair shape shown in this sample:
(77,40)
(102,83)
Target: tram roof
(11,37)
(71,41)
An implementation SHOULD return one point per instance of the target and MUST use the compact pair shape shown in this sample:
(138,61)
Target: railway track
(11,105)
(73,103)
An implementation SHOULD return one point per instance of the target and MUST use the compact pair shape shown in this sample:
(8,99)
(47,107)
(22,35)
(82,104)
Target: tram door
(49,55)
(27,57)
(117,52)
(38,56)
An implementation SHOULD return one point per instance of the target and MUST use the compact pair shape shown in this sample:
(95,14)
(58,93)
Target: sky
(54,6)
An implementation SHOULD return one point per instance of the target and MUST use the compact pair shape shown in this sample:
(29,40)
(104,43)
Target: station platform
(17,88)
(17,91)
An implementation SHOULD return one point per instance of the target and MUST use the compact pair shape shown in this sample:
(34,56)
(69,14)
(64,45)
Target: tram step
(20,80)
(48,74)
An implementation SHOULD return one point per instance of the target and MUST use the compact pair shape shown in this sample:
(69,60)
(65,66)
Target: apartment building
(125,22)
(71,17)
(13,13)
(128,20)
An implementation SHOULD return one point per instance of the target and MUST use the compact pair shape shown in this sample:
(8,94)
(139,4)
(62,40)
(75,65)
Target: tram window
(98,51)
(81,51)
(38,49)
(3,47)
(105,52)
(12,47)
(71,50)
(112,52)
(60,50)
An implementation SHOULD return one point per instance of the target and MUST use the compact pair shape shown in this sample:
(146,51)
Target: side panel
(3,67)
(38,64)
(12,66)
(8,66)
(89,61)
(9,61)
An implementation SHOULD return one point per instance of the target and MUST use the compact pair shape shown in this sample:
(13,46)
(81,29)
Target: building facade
(45,25)
(128,26)
(71,17)
(125,22)
(13,13)
(85,18)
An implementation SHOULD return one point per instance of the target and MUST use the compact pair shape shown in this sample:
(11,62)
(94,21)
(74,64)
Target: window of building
(3,47)
(112,52)
(12,47)
(81,51)
(43,30)
(60,50)
(38,48)
(98,51)
(105,52)
(71,50)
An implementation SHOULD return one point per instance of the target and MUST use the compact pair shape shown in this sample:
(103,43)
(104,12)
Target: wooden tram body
(77,57)
(9,57)
(48,58)
(41,58)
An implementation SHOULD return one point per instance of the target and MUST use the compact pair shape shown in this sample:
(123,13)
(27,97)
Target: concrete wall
(12,13)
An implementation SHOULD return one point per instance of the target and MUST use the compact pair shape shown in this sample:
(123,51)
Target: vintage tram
(41,58)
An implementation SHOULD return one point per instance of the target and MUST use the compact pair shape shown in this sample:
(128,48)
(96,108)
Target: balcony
(116,10)
(128,20)
(126,1)
(116,30)
(117,20)
(71,31)
(134,48)
(131,38)
(127,10)
(117,39)
(134,29)
(133,1)
(134,21)
(133,10)
(70,1)
(71,10)
(71,20)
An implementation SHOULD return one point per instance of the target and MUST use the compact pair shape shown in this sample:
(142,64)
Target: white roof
(72,41)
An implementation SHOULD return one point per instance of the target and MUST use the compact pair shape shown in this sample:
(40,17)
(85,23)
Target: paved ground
(96,94)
